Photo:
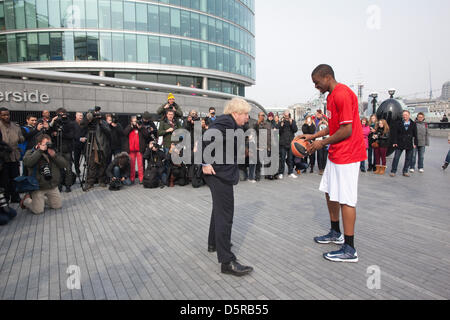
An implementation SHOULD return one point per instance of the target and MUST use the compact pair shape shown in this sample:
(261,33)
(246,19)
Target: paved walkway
(151,244)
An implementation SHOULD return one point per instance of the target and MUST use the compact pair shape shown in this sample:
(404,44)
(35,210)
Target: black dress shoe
(236,269)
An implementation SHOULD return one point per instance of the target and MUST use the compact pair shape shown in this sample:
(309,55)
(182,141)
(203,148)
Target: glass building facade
(167,41)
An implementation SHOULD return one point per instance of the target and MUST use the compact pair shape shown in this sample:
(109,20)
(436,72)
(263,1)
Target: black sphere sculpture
(391,111)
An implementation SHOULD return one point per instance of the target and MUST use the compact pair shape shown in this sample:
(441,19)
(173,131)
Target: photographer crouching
(155,175)
(43,162)
(118,172)
(98,149)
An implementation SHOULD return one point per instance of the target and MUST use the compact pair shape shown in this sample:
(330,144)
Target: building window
(12,48)
(185,23)
(21,41)
(92,14)
(117,47)
(3,49)
(154,50)
(104,7)
(204,28)
(80,46)
(30,14)
(130,48)
(195,54)
(195,25)
(129,11)
(141,17)
(214,85)
(153,18)
(117,15)
(165,51)
(79,13)
(33,47)
(175,46)
(19,13)
(175,27)
(211,29)
(204,55)
(164,20)
(219,59)
(67,45)
(56,52)
(105,47)
(142,49)
(9,15)
(186,53)
(92,45)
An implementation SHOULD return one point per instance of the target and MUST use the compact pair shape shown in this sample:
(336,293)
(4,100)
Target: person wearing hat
(271,120)
(150,126)
(170,105)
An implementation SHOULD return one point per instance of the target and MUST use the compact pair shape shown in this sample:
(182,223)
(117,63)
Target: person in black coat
(288,128)
(220,178)
(403,137)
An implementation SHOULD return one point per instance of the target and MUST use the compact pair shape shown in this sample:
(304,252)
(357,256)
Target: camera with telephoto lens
(114,118)
(45,171)
(50,146)
(139,119)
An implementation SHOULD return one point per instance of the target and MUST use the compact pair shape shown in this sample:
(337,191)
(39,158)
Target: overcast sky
(379,43)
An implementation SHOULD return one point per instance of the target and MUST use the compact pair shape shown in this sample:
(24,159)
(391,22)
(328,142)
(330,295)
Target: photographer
(135,146)
(118,172)
(46,164)
(100,150)
(211,116)
(170,105)
(12,136)
(149,126)
(177,172)
(287,128)
(79,142)
(63,132)
(117,134)
(166,128)
(29,132)
(155,175)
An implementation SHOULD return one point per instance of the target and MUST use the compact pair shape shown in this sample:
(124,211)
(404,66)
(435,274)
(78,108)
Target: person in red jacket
(135,141)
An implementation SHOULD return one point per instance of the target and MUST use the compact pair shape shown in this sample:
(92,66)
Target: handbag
(375,145)
(26,184)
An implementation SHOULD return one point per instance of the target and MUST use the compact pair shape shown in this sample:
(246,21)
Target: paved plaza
(152,244)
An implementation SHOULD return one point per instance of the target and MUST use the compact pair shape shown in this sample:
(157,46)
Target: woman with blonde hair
(371,154)
(221,178)
(381,145)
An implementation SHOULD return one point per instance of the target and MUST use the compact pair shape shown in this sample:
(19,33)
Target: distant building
(446,91)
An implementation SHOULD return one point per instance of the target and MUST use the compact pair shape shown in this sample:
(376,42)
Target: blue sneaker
(345,254)
(331,237)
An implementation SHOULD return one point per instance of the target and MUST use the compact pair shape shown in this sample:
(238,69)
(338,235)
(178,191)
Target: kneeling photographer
(155,175)
(45,164)
(118,172)
(177,172)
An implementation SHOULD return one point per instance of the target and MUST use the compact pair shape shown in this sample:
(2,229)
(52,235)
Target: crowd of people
(48,149)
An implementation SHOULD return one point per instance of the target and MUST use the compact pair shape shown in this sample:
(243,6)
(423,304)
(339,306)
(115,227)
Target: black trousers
(67,170)
(76,158)
(10,171)
(322,156)
(221,218)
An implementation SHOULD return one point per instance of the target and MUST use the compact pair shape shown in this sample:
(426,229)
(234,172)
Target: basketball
(299,147)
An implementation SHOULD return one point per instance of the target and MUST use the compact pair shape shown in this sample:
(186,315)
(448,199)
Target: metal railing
(91,79)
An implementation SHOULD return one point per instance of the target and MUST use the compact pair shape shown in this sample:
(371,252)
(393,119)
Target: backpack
(23,145)
(151,178)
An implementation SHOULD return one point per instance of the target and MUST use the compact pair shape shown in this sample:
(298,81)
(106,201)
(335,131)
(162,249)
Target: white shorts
(340,181)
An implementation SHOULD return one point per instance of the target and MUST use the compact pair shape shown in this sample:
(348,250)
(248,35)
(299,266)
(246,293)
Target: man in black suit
(220,178)
(403,137)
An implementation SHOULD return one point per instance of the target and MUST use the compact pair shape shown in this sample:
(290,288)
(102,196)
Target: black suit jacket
(228,173)
(404,138)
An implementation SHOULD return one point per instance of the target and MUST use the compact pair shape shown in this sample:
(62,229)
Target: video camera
(139,119)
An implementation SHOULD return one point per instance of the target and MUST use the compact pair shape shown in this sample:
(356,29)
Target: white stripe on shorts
(340,181)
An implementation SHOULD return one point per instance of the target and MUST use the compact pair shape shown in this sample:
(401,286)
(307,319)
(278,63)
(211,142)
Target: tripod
(86,157)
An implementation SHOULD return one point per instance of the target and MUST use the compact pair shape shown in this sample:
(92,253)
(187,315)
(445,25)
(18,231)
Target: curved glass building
(207,44)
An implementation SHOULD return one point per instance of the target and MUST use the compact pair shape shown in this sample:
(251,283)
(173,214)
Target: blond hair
(237,105)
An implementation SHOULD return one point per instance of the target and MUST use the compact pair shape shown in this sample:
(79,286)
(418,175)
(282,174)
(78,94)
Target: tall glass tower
(207,44)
